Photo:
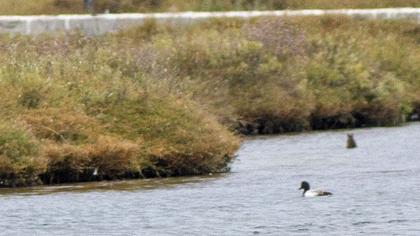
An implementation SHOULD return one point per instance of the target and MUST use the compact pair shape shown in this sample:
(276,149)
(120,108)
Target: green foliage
(357,73)
(15,143)
(20,163)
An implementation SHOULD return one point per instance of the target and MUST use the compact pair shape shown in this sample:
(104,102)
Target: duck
(307,192)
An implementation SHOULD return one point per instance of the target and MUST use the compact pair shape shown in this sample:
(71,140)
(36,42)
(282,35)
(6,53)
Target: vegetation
(71,108)
(24,7)
(273,76)
(162,101)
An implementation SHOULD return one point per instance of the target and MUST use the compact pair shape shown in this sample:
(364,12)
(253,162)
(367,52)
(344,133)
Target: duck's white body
(315,193)
(307,192)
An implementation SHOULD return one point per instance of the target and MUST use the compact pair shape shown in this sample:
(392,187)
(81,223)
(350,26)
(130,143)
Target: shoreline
(82,185)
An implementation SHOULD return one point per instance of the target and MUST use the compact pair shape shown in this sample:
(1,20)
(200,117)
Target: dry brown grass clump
(61,125)
(114,158)
(106,159)
(66,163)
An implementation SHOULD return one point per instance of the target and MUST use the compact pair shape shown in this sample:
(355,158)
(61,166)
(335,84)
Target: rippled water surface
(376,192)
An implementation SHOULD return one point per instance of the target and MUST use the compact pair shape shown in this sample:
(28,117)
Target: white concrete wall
(99,24)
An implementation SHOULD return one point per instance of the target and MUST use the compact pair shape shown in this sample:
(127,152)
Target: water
(376,192)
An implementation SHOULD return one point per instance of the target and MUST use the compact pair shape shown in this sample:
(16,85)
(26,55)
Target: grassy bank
(24,7)
(273,76)
(69,106)
(162,101)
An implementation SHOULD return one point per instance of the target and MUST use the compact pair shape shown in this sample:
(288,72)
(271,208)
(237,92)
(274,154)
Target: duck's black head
(305,186)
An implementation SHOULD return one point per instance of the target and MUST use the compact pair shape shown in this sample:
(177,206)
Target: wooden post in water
(351,143)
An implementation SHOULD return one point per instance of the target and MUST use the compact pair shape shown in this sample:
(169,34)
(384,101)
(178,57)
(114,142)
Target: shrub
(113,158)
(20,162)
(66,163)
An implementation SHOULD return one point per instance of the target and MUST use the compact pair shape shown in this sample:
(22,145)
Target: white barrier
(99,24)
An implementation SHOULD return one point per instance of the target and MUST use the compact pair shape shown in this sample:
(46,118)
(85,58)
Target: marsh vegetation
(160,100)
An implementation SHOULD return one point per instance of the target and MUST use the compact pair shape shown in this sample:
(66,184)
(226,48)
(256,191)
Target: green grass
(24,7)
(162,101)
(19,155)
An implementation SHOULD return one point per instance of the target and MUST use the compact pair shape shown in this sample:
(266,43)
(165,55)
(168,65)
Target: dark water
(376,192)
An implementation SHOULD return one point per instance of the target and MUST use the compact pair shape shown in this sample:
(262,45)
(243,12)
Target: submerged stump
(351,143)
